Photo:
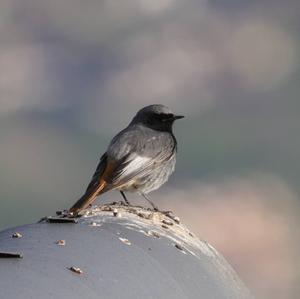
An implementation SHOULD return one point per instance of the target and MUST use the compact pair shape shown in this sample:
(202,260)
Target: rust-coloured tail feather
(87,198)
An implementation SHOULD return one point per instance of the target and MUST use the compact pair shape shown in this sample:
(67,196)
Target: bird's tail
(88,198)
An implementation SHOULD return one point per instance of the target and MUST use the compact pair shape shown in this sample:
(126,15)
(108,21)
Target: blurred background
(73,73)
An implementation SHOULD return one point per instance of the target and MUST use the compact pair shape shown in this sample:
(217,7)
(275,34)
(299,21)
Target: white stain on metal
(125,241)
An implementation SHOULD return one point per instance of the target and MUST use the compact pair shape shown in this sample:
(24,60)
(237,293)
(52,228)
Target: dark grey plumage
(139,159)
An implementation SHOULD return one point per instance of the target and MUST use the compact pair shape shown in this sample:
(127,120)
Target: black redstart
(139,159)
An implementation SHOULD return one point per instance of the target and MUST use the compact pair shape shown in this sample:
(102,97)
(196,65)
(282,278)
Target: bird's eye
(166,116)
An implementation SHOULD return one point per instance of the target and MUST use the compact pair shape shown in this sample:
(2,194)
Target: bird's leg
(125,199)
(155,208)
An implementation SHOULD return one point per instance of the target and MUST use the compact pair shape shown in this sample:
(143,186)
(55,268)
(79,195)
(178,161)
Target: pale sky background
(73,73)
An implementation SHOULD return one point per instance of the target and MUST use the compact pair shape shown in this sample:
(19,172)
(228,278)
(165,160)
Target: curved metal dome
(113,252)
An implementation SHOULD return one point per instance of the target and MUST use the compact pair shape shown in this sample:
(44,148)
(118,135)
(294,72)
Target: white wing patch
(136,163)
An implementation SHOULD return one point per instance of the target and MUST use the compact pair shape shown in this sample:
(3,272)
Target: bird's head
(156,117)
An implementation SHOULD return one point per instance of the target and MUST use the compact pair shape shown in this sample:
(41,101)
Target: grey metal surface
(134,254)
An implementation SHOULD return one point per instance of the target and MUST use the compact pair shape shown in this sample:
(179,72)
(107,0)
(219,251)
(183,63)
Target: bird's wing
(135,166)
(141,151)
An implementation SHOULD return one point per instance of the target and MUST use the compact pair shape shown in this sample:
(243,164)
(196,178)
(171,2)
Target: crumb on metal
(153,233)
(125,241)
(106,208)
(76,270)
(93,223)
(17,235)
(116,213)
(141,231)
(142,215)
(167,222)
(61,242)
(176,219)
(178,246)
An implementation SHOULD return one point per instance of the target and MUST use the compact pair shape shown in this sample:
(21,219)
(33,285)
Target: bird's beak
(178,116)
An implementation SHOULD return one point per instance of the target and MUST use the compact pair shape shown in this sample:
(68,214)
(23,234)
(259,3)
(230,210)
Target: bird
(139,158)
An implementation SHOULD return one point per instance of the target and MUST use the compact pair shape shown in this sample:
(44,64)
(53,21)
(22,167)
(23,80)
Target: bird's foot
(126,201)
